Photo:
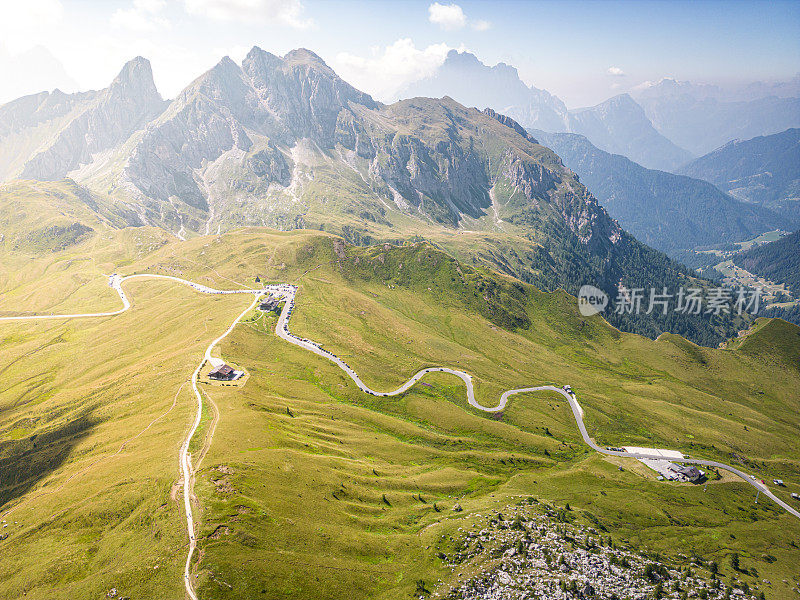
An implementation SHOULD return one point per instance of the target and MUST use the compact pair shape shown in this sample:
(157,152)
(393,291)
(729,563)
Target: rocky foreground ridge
(535,551)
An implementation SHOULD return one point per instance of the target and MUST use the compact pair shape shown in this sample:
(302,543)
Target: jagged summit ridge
(81,125)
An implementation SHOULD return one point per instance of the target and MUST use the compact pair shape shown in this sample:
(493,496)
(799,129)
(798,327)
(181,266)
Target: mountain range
(764,170)
(673,213)
(284,142)
(703,118)
(617,125)
(660,125)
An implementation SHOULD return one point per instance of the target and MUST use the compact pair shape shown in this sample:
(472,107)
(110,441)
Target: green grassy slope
(304,492)
(311,489)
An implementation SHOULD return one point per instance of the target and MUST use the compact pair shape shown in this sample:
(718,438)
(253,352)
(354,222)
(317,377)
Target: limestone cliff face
(261,134)
(278,140)
(109,118)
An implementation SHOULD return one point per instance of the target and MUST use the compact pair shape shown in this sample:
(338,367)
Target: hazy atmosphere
(379,300)
(583,52)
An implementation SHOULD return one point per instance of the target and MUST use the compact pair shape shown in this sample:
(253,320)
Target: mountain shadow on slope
(27,461)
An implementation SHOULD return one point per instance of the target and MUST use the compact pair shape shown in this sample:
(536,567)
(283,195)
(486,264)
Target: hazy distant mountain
(764,170)
(703,118)
(48,135)
(779,89)
(617,125)
(466,79)
(30,71)
(755,90)
(669,212)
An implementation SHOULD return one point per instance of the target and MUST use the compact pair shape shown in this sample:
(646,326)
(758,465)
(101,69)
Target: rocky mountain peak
(304,56)
(621,102)
(106,118)
(261,60)
(136,79)
(467,59)
(473,83)
(300,76)
(218,81)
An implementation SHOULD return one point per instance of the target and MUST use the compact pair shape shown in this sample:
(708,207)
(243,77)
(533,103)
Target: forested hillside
(673,213)
(777,261)
(763,170)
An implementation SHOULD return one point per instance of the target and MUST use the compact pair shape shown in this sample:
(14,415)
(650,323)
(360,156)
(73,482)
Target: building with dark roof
(687,472)
(269,303)
(222,373)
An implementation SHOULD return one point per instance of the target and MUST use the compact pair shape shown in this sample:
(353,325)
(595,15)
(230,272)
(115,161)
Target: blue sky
(565,47)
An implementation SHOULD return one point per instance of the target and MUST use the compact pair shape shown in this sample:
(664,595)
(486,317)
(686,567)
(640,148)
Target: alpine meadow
(399,322)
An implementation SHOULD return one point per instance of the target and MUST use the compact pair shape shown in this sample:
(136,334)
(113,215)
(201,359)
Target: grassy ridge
(312,488)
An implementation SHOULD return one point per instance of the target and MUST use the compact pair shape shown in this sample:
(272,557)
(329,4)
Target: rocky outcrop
(529,551)
(270,164)
(509,122)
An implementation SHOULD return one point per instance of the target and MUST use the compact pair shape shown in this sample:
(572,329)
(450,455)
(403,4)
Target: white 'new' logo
(591,300)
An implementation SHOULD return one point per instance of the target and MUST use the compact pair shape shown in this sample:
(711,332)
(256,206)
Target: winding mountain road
(282,329)
(288,293)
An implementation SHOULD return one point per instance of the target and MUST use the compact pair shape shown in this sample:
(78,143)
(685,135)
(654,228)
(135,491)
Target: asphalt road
(282,330)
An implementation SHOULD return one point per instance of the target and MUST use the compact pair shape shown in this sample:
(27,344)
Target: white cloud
(26,24)
(615,71)
(447,16)
(451,17)
(281,12)
(151,6)
(386,72)
(142,16)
